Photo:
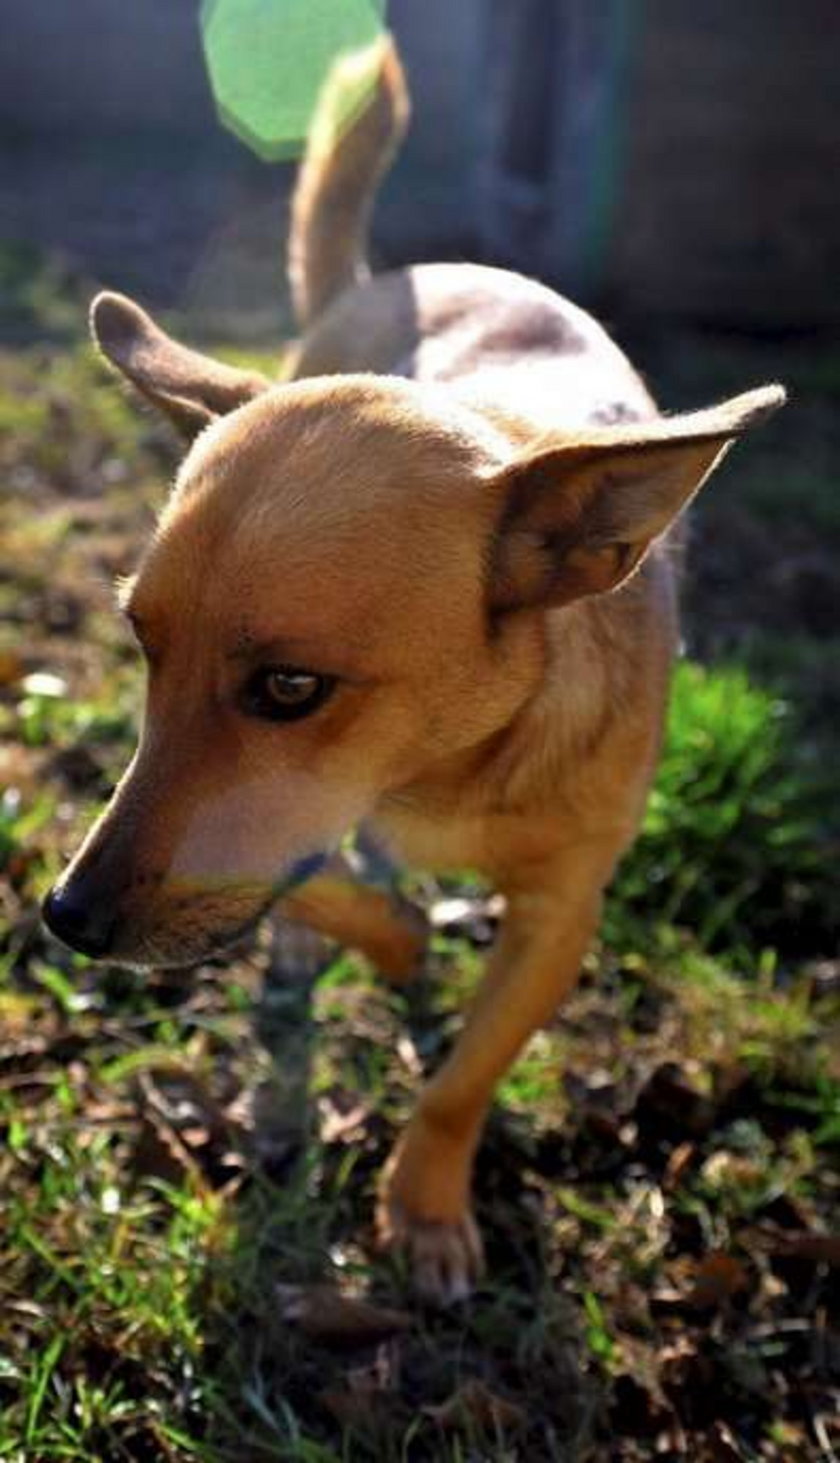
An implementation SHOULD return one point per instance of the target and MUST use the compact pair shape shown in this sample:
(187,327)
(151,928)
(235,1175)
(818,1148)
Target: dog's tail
(360,120)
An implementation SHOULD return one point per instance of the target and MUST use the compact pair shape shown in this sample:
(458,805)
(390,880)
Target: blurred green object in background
(267,59)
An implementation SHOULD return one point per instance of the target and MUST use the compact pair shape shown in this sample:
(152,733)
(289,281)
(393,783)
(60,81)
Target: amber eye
(285,692)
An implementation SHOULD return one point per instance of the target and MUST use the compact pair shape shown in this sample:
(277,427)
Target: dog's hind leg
(388,929)
(425,1195)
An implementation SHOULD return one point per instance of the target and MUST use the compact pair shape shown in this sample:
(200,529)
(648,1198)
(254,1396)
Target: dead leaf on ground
(324,1314)
(723,1445)
(679,1162)
(12,667)
(160,1153)
(724,1169)
(475,1403)
(717,1278)
(184,1100)
(28,1055)
(184,1131)
(798,1244)
(701,1285)
(340,1118)
(370,1394)
(19,767)
(358,1410)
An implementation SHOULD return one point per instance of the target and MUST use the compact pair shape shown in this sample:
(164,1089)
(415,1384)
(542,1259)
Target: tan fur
(357,128)
(459,510)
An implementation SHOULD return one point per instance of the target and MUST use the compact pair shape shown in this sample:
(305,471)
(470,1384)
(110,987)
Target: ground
(187,1267)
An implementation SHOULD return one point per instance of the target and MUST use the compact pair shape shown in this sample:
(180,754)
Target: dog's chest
(436,843)
(489,843)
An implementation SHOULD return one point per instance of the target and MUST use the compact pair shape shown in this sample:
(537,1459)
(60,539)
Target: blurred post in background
(550,135)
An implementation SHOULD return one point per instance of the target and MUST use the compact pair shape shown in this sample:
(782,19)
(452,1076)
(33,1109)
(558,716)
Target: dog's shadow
(291,1355)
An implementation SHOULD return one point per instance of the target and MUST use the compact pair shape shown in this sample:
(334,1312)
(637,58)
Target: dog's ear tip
(773,395)
(106,306)
(115,320)
(731,418)
(757,405)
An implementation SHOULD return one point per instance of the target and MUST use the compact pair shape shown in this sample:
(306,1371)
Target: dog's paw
(445,1258)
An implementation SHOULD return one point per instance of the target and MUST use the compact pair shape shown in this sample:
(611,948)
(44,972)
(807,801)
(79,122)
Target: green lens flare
(267,61)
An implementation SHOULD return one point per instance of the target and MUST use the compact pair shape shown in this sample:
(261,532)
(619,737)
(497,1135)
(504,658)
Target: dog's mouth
(165,946)
(188,923)
(181,938)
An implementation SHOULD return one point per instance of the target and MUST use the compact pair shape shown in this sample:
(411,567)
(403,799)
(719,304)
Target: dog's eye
(285,693)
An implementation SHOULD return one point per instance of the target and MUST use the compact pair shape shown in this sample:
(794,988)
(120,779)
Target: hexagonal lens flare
(267,60)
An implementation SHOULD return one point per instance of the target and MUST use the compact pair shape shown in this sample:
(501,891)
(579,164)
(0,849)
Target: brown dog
(425,584)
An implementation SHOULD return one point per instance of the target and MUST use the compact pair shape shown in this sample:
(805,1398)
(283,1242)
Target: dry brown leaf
(12,667)
(724,1169)
(349,1408)
(339,1122)
(678,1163)
(799,1244)
(159,1152)
(475,1403)
(324,1314)
(717,1278)
(19,766)
(369,1395)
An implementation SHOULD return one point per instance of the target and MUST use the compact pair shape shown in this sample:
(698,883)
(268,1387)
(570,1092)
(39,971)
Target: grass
(187,1163)
(740,839)
(144,1251)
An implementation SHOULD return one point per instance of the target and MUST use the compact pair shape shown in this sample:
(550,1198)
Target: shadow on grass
(292,1372)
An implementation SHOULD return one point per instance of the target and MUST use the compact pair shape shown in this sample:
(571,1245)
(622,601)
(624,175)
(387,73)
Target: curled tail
(359,122)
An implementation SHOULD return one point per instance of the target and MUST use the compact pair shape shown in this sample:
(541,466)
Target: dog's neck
(592,673)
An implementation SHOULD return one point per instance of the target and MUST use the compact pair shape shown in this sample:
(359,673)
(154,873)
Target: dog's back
(435,321)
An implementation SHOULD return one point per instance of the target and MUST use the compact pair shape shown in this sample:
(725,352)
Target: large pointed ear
(577,518)
(191,388)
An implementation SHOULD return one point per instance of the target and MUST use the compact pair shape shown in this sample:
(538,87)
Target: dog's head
(344,591)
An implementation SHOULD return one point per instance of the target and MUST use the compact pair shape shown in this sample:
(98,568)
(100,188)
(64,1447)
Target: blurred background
(660,157)
(659,1186)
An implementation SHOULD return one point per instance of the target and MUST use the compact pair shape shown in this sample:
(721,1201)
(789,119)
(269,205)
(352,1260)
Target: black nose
(86,926)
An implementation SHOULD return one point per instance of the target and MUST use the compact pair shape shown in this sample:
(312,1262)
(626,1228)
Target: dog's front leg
(424,1206)
(386,928)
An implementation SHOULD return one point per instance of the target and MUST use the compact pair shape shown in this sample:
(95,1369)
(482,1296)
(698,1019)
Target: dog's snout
(85,925)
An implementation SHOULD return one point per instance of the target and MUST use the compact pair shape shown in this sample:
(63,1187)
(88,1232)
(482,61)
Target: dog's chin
(170,953)
(209,928)
(168,948)
(189,925)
